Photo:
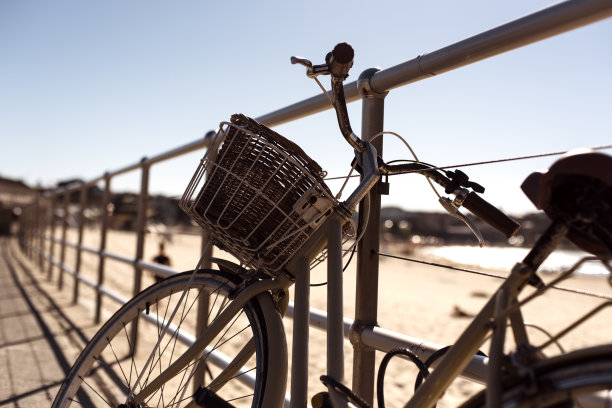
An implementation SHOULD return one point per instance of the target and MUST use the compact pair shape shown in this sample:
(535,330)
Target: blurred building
(14,195)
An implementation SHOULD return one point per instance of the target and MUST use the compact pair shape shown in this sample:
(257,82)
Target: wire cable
(413,154)
(380,381)
(507,159)
(490,275)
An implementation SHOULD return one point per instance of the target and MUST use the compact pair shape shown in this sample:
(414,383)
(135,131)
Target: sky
(91,87)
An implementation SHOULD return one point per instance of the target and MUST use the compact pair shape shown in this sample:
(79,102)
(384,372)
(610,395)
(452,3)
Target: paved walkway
(41,331)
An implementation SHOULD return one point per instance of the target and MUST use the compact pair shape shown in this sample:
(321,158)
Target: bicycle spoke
(239,398)
(159,331)
(212,307)
(187,306)
(245,372)
(222,340)
(131,354)
(219,343)
(174,338)
(106,368)
(117,361)
(95,392)
(182,387)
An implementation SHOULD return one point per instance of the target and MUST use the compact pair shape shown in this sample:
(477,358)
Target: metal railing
(371,87)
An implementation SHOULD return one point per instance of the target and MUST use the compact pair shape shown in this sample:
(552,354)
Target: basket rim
(293,149)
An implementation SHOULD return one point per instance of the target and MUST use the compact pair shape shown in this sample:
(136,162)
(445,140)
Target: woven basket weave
(258,194)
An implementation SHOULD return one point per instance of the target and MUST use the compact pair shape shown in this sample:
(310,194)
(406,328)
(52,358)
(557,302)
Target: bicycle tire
(102,376)
(582,378)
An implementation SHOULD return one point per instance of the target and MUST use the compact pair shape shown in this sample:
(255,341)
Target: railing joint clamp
(365,87)
(357,329)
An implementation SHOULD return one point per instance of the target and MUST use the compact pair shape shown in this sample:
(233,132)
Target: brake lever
(452,207)
(301,61)
(312,71)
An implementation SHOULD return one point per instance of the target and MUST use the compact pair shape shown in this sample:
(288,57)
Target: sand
(421,301)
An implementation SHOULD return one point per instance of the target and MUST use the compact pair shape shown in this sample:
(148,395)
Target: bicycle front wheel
(236,367)
(579,379)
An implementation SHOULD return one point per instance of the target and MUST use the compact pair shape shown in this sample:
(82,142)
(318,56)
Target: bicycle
(264,200)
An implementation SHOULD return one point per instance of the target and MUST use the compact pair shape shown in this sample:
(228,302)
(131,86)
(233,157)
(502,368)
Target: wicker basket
(258,194)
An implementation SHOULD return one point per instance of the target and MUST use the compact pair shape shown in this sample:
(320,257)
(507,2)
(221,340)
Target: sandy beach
(418,300)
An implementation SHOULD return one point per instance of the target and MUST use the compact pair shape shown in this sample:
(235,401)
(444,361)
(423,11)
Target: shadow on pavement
(38,340)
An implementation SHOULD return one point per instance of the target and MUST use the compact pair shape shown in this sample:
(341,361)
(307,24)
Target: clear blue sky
(88,87)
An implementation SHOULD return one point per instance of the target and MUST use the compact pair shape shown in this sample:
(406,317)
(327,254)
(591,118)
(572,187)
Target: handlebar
(338,63)
(472,201)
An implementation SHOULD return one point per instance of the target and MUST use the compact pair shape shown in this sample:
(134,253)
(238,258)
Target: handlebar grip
(491,215)
(340,60)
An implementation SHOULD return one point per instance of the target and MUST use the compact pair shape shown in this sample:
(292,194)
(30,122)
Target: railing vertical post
(51,236)
(77,266)
(30,228)
(42,226)
(39,230)
(25,230)
(34,228)
(29,232)
(106,200)
(366,301)
(335,321)
(203,308)
(60,282)
(141,225)
(46,232)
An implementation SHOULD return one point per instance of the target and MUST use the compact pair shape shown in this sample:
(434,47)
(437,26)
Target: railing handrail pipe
(533,27)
